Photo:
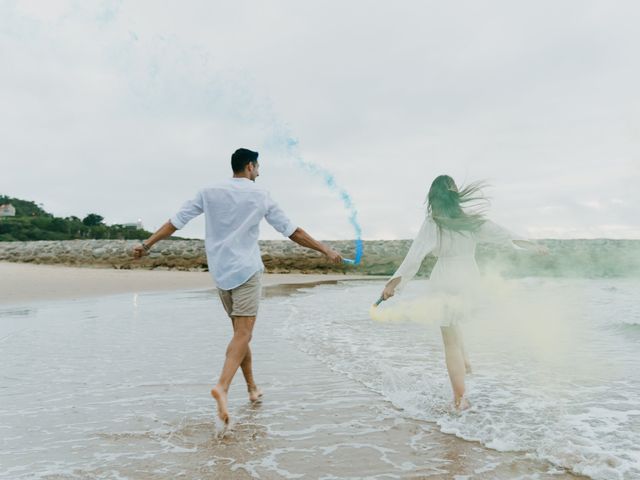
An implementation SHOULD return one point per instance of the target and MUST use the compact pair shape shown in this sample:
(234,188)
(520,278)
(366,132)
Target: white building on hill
(137,225)
(7,210)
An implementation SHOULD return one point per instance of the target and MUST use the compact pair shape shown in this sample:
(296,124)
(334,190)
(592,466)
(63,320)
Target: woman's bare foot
(255,394)
(461,404)
(221,398)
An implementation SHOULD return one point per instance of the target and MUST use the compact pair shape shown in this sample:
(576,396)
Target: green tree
(33,223)
(93,220)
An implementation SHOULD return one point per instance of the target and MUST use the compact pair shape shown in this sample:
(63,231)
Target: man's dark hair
(241,158)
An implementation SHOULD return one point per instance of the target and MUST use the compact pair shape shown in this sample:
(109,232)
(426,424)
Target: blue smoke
(328,178)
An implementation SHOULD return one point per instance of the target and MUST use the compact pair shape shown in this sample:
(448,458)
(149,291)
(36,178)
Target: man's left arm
(303,239)
(278,220)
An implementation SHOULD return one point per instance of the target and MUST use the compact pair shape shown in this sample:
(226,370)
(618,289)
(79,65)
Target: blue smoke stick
(330,181)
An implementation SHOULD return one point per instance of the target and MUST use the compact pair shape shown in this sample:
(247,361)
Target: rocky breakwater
(576,258)
(278,256)
(180,254)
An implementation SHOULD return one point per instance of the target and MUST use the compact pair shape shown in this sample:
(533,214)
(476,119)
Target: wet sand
(22,282)
(148,415)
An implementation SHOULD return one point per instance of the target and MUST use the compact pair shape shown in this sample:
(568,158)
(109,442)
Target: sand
(21,282)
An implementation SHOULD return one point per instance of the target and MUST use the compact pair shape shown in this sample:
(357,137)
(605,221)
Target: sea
(117,387)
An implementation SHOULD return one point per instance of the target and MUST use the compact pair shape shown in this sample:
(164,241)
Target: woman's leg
(467,363)
(455,364)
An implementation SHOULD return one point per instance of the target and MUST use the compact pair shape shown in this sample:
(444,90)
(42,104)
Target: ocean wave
(555,401)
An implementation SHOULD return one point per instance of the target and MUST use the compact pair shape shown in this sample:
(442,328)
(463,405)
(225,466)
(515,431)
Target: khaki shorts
(243,300)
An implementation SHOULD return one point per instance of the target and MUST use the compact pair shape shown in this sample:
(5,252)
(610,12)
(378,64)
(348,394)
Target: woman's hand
(532,246)
(542,250)
(388,292)
(390,288)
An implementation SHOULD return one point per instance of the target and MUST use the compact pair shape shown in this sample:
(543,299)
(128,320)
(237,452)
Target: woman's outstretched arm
(424,243)
(491,232)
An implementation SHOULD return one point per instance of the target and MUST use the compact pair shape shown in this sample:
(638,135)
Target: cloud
(127,108)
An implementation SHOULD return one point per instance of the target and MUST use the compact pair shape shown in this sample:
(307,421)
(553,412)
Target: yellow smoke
(538,318)
(425,309)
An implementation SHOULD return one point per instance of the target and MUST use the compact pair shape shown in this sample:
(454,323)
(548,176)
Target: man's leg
(247,371)
(236,353)
(241,304)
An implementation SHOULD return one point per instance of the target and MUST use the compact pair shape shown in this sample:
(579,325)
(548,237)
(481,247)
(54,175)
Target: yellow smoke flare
(434,309)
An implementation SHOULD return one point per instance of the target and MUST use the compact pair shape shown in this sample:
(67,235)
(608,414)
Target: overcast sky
(127,108)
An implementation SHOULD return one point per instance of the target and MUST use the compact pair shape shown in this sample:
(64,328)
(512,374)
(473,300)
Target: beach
(107,375)
(24,282)
(426,215)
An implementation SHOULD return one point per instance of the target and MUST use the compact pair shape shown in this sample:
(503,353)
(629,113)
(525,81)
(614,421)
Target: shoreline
(24,282)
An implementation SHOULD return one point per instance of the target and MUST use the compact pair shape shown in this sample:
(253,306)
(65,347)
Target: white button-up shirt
(233,210)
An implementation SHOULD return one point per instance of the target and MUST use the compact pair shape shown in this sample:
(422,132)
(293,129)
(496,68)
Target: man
(233,210)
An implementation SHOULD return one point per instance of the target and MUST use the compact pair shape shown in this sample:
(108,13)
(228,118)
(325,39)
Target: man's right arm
(189,210)
(163,232)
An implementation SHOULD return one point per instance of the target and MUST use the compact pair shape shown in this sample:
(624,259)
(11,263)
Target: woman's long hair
(457,210)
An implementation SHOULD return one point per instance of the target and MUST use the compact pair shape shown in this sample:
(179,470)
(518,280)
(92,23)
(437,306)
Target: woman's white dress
(455,279)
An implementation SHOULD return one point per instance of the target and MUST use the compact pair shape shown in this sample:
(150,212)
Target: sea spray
(292,150)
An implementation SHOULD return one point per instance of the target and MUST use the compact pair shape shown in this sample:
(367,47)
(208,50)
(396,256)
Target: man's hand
(139,251)
(163,232)
(303,239)
(333,256)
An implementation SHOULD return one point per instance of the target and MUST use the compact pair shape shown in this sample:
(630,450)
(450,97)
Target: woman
(451,233)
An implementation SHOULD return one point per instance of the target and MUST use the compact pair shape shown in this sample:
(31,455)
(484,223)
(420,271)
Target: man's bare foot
(255,394)
(461,404)
(221,398)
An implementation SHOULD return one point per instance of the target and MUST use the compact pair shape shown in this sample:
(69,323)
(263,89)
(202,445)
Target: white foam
(106,370)
(568,403)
